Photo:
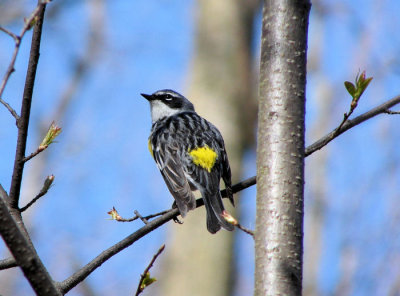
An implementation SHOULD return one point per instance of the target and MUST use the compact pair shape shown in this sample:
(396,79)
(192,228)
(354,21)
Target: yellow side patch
(204,157)
(150,149)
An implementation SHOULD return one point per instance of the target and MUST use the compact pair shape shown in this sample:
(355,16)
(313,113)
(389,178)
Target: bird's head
(166,102)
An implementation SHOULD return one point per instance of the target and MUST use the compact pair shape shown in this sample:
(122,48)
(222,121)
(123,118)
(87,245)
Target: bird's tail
(215,209)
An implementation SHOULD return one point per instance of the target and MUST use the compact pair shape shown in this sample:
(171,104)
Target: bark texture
(280,148)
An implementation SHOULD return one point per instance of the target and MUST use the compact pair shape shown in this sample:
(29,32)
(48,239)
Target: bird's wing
(226,175)
(170,165)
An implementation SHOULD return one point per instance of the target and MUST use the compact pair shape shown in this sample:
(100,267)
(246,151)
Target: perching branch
(81,274)
(166,216)
(145,279)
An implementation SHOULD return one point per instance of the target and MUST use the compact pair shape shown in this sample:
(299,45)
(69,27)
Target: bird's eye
(168,98)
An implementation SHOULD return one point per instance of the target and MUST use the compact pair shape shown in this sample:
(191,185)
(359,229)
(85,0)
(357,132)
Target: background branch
(23,121)
(28,24)
(26,256)
(9,108)
(383,108)
(142,285)
(81,274)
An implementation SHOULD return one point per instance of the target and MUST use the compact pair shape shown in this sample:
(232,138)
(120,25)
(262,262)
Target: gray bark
(280,148)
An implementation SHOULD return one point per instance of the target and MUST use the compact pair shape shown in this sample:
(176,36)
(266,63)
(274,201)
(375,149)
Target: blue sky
(101,158)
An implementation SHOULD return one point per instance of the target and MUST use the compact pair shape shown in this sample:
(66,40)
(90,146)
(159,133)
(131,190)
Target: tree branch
(317,145)
(7,263)
(23,121)
(9,108)
(26,257)
(383,108)
(17,40)
(142,285)
(81,274)
(166,216)
(392,112)
(46,186)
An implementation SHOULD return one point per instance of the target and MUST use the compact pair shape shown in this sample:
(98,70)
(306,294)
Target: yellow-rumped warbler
(190,153)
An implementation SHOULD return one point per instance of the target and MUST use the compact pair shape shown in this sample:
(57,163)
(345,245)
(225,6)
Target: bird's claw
(176,220)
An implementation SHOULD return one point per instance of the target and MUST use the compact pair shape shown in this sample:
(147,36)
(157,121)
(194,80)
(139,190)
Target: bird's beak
(147,97)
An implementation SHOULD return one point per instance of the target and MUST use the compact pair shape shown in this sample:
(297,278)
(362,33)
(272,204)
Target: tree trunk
(219,88)
(280,148)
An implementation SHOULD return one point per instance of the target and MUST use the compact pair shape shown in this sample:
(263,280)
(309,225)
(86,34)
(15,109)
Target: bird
(190,153)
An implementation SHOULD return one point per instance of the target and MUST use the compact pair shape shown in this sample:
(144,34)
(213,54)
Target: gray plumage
(176,131)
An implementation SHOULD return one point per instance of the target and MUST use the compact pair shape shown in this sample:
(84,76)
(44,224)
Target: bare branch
(156,215)
(146,274)
(392,112)
(23,121)
(7,263)
(26,256)
(166,216)
(46,186)
(17,38)
(32,155)
(9,108)
(11,34)
(383,108)
(144,220)
(245,230)
(350,124)
(81,274)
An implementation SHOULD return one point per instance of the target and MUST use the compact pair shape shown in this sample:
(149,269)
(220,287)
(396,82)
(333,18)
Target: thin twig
(350,124)
(156,215)
(117,217)
(345,118)
(9,108)
(128,219)
(146,274)
(392,112)
(35,199)
(11,34)
(32,155)
(17,39)
(244,229)
(45,188)
(144,220)
(8,263)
